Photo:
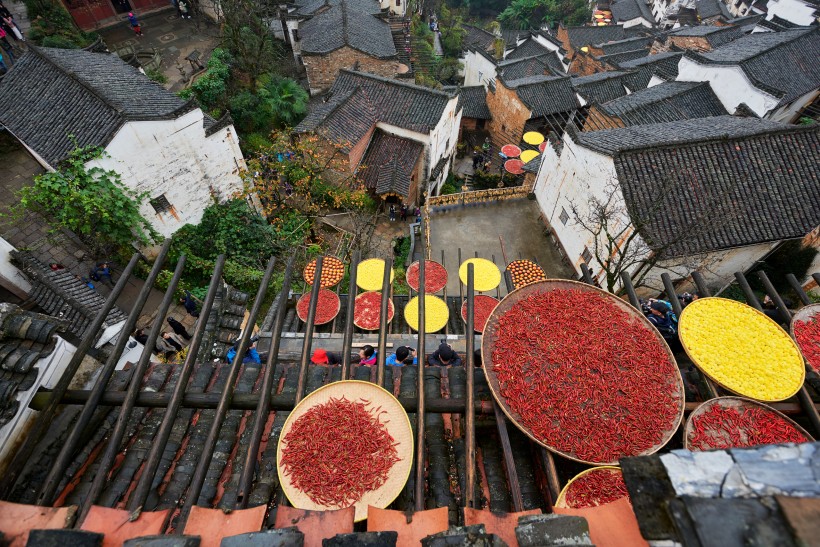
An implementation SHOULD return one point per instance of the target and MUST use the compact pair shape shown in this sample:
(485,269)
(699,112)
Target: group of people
(404,210)
(9,31)
(168,344)
(662,316)
(444,356)
(482,158)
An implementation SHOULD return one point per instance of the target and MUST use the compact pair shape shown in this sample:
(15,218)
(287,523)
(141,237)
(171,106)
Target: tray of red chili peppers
(367,310)
(346,444)
(482,308)
(327,306)
(805,330)
(592,488)
(737,422)
(435,276)
(582,372)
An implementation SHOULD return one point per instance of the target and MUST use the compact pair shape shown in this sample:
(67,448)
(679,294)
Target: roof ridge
(74,76)
(803,32)
(395,82)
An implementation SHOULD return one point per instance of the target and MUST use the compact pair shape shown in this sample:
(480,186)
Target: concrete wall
(396,7)
(174,158)
(322,70)
(573,178)
(795,11)
(11,278)
(730,84)
(478,69)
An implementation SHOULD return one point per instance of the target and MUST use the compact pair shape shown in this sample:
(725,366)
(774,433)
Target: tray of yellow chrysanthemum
(741,349)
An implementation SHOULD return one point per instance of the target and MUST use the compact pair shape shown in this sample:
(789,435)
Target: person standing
(403,212)
(392,212)
(10,26)
(184,9)
(102,273)
(190,304)
(3,64)
(4,43)
(135,24)
(178,328)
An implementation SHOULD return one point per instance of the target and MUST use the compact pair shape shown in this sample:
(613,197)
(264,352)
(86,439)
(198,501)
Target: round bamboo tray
(429,266)
(360,301)
(489,341)
(433,322)
(478,298)
(709,374)
(487,274)
(328,279)
(304,304)
(737,403)
(516,277)
(561,502)
(805,314)
(370,274)
(397,423)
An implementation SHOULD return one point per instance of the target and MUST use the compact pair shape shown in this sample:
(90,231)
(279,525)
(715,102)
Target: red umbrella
(514,166)
(510,150)
(542,146)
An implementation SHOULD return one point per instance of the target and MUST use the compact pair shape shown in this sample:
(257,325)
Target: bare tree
(620,236)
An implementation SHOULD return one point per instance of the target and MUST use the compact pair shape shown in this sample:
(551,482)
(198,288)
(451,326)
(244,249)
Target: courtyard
(500,231)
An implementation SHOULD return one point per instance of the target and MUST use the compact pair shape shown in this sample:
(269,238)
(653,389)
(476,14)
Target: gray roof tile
(783,62)
(478,38)
(664,65)
(473,100)
(666,102)
(587,36)
(626,10)
(50,94)
(603,86)
(545,95)
(387,166)
(748,189)
(345,24)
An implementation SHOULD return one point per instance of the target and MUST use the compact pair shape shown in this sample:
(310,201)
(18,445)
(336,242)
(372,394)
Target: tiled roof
(712,8)
(310,7)
(345,118)
(603,86)
(666,102)
(748,189)
(51,94)
(630,44)
(586,36)
(512,35)
(627,10)
(387,166)
(345,25)
(783,62)
(534,164)
(473,100)
(529,48)
(522,68)
(25,338)
(61,294)
(617,58)
(664,65)
(545,95)
(478,38)
(358,96)
(638,137)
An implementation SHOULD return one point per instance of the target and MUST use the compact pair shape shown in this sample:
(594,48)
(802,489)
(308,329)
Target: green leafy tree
(211,88)
(247,35)
(52,26)
(525,14)
(90,201)
(277,103)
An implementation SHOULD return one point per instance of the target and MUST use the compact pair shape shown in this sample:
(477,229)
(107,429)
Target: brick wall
(509,115)
(563,36)
(358,150)
(584,64)
(323,69)
(597,120)
(695,43)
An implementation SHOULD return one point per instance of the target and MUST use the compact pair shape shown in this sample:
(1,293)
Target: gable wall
(322,70)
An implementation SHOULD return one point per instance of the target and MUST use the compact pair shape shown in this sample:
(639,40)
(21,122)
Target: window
(295,33)
(161,204)
(586,256)
(564,216)
(480,75)
(398,2)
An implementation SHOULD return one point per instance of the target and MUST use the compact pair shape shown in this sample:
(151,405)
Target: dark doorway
(121,6)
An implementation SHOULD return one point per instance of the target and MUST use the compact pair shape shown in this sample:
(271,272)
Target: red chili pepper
(327,306)
(722,427)
(585,377)
(597,487)
(338,451)
(807,336)
(435,276)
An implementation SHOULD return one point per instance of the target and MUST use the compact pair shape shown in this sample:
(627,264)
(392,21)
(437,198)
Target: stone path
(172,37)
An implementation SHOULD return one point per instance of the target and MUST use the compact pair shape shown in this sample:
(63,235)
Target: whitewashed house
(797,12)
(399,138)
(774,74)
(712,194)
(536,54)
(56,99)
